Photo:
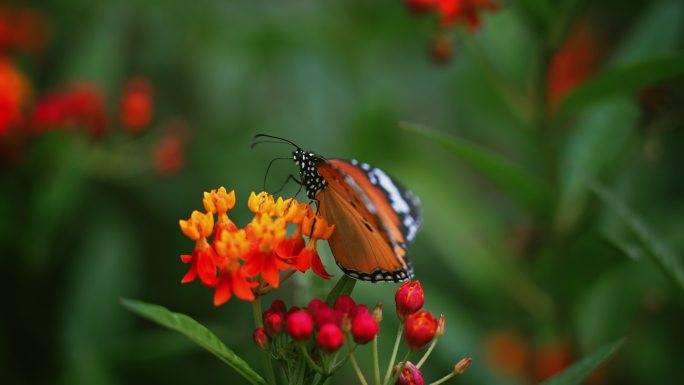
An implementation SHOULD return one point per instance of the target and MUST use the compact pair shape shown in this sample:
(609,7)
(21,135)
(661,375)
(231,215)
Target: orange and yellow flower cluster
(248,261)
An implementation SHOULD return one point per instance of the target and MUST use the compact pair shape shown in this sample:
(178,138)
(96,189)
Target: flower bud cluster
(325,325)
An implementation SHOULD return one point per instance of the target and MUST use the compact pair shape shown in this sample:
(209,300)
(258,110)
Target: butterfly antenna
(269,168)
(256,140)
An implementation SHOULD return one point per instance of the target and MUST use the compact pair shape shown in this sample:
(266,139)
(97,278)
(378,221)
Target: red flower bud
(278,306)
(410,375)
(364,328)
(345,304)
(420,329)
(327,315)
(314,306)
(329,337)
(273,322)
(358,310)
(260,338)
(409,298)
(299,325)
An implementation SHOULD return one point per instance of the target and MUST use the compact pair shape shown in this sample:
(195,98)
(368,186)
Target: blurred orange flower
(507,353)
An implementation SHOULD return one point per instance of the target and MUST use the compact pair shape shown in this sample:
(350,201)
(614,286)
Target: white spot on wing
(398,202)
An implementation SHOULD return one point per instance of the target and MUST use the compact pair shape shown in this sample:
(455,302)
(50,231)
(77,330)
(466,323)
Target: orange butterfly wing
(370,239)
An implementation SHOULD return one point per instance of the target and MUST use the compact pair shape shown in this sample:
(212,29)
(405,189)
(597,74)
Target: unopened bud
(441,324)
(377,313)
(462,365)
(346,324)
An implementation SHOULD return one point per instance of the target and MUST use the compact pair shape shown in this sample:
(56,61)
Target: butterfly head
(307,163)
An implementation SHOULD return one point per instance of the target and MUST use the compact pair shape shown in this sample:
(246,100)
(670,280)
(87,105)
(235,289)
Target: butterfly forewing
(394,203)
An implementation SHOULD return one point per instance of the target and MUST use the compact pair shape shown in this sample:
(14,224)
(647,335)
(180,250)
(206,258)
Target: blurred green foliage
(514,239)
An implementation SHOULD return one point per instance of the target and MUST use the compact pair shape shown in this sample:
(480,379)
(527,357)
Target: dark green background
(84,222)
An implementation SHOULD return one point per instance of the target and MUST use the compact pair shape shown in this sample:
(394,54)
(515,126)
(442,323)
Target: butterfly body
(376,218)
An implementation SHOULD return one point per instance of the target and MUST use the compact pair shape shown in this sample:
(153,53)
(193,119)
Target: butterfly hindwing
(360,248)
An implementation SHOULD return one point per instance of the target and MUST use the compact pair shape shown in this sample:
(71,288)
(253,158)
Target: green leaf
(624,80)
(343,287)
(581,369)
(517,181)
(197,333)
(599,139)
(661,254)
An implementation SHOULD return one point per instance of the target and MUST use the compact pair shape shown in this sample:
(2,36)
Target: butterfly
(375,217)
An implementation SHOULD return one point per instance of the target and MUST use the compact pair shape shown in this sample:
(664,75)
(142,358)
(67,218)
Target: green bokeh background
(85,223)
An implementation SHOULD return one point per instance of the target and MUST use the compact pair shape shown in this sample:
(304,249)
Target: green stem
(427,353)
(445,378)
(309,360)
(265,356)
(376,363)
(394,352)
(340,364)
(396,375)
(355,364)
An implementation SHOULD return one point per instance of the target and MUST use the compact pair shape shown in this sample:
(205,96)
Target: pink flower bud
(260,338)
(329,337)
(410,375)
(364,328)
(299,325)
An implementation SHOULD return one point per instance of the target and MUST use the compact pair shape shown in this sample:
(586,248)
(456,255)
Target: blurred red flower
(137,104)
(14,93)
(550,359)
(21,28)
(81,106)
(168,154)
(464,11)
(574,61)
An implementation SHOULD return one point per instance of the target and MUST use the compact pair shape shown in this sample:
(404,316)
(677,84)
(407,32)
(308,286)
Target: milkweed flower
(248,261)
